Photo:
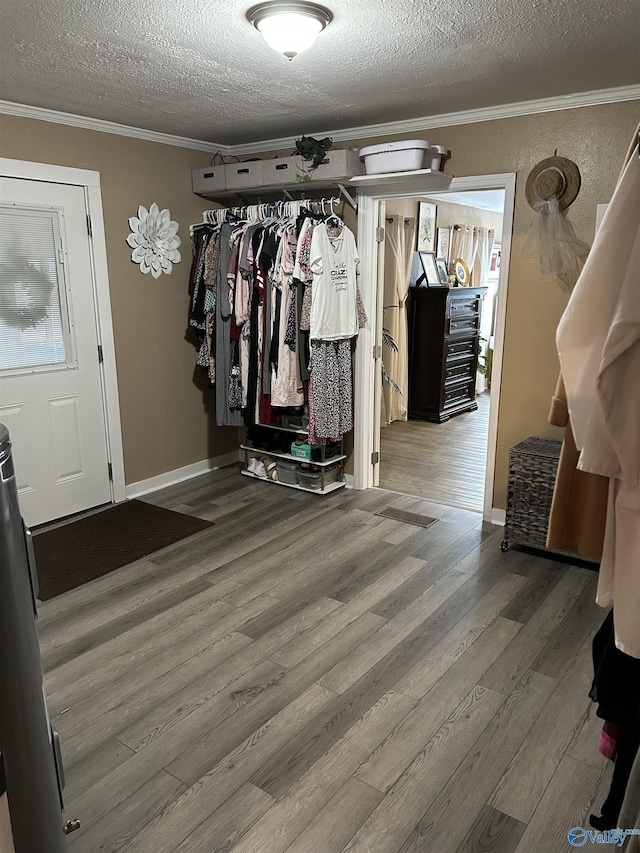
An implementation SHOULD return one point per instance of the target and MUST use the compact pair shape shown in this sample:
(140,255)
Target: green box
(310,452)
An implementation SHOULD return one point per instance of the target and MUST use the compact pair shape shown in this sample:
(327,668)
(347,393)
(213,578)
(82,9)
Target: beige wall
(165,418)
(448,213)
(168,419)
(596,138)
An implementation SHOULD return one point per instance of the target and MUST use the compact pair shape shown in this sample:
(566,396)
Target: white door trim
(90,181)
(365,369)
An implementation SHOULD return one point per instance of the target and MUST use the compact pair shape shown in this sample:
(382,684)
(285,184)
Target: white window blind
(34,323)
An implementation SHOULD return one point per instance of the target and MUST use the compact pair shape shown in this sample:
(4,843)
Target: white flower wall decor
(154,240)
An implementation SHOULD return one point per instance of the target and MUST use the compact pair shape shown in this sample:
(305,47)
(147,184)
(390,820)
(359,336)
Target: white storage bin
(435,158)
(209,179)
(283,170)
(244,174)
(407,155)
(342,163)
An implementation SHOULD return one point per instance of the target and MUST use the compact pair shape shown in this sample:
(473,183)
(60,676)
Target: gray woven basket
(532,475)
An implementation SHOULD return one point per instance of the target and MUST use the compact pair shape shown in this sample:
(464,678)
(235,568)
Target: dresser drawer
(456,349)
(459,325)
(458,394)
(462,304)
(459,370)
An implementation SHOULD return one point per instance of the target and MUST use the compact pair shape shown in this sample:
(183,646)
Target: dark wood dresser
(444,338)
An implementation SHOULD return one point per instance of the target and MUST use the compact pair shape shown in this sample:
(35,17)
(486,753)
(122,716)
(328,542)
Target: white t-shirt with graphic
(334,262)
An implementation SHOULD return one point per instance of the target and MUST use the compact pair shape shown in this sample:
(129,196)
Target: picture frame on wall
(426,239)
(443,241)
(430,268)
(461,272)
(442,271)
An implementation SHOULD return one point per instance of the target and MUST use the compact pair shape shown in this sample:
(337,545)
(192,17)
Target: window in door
(35,326)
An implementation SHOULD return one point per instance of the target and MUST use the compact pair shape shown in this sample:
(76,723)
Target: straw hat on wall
(555,177)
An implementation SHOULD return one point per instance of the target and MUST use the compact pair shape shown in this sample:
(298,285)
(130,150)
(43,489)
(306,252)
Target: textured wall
(449,213)
(167,420)
(596,138)
(461,214)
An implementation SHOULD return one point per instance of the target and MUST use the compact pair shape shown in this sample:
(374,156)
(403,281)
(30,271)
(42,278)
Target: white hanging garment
(334,262)
(599,347)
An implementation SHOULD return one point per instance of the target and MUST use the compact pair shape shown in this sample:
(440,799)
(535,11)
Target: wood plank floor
(308,676)
(444,463)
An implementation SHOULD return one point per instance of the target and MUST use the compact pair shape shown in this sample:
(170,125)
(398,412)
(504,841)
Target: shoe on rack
(271,469)
(260,470)
(251,467)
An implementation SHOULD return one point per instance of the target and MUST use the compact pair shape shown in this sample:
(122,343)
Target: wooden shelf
(429,179)
(330,487)
(291,458)
(274,189)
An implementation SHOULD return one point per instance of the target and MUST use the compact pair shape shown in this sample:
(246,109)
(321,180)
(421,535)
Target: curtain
(484,245)
(463,244)
(400,235)
(484,241)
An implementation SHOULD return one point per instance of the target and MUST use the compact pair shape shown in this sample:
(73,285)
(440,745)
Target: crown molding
(392,128)
(26,111)
(416,125)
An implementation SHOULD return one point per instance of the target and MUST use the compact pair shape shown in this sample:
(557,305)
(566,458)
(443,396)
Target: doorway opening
(372,213)
(438,346)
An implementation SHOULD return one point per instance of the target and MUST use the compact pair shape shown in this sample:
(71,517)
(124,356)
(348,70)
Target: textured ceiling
(200,70)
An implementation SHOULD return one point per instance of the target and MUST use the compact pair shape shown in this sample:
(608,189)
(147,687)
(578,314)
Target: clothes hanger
(309,212)
(333,220)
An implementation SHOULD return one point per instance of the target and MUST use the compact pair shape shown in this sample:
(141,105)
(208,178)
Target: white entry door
(51,396)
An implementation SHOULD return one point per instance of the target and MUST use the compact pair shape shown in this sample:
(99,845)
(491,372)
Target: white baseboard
(179,475)
(498,517)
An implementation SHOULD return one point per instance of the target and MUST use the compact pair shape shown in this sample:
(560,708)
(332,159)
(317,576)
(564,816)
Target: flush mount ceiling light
(289,28)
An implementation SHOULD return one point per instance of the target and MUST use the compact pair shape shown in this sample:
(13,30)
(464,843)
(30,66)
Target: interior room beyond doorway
(437,387)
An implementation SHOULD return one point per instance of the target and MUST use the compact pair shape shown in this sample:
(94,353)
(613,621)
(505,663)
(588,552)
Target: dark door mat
(408,517)
(84,550)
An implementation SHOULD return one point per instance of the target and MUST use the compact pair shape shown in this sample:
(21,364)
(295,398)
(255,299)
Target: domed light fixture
(291,27)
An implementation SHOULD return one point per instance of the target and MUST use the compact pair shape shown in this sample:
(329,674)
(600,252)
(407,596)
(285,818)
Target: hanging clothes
(225,414)
(336,315)
(199,296)
(599,348)
(334,263)
(579,506)
(252,292)
(331,392)
(616,690)
(286,385)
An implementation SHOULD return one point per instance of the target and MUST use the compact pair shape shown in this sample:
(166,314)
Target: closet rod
(262,210)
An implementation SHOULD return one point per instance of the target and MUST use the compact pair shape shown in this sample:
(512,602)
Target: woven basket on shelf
(532,475)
